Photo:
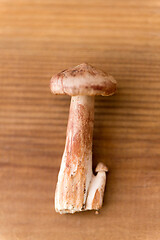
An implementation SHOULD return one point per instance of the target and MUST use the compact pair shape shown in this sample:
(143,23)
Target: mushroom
(77,188)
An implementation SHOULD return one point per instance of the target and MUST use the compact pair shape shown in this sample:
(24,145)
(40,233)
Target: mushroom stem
(76,167)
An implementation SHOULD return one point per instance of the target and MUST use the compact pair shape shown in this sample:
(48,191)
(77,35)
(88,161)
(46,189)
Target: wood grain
(39,38)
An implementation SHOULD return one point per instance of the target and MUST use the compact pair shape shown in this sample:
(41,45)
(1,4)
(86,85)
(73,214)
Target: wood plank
(40,38)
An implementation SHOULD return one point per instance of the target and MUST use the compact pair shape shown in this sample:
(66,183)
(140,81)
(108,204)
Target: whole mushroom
(78,189)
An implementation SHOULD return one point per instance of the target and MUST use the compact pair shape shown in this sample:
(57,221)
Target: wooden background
(40,38)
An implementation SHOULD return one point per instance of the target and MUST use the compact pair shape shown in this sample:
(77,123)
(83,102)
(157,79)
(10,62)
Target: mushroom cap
(101,168)
(83,79)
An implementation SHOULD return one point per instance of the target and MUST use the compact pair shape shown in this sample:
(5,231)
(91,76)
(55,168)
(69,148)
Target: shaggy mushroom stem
(76,167)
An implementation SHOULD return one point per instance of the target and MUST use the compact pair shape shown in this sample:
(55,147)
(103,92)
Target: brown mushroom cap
(83,80)
(101,168)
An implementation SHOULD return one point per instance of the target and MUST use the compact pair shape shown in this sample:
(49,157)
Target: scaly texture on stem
(76,166)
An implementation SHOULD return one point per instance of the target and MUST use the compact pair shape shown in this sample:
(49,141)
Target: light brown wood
(40,38)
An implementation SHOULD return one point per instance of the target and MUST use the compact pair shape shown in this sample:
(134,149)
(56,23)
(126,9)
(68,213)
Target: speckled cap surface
(83,79)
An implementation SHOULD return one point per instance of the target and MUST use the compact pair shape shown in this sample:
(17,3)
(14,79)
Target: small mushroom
(96,188)
(77,188)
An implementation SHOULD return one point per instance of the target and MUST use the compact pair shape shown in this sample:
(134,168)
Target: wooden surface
(40,38)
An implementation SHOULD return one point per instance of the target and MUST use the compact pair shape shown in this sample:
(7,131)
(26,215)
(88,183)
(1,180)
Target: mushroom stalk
(76,167)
